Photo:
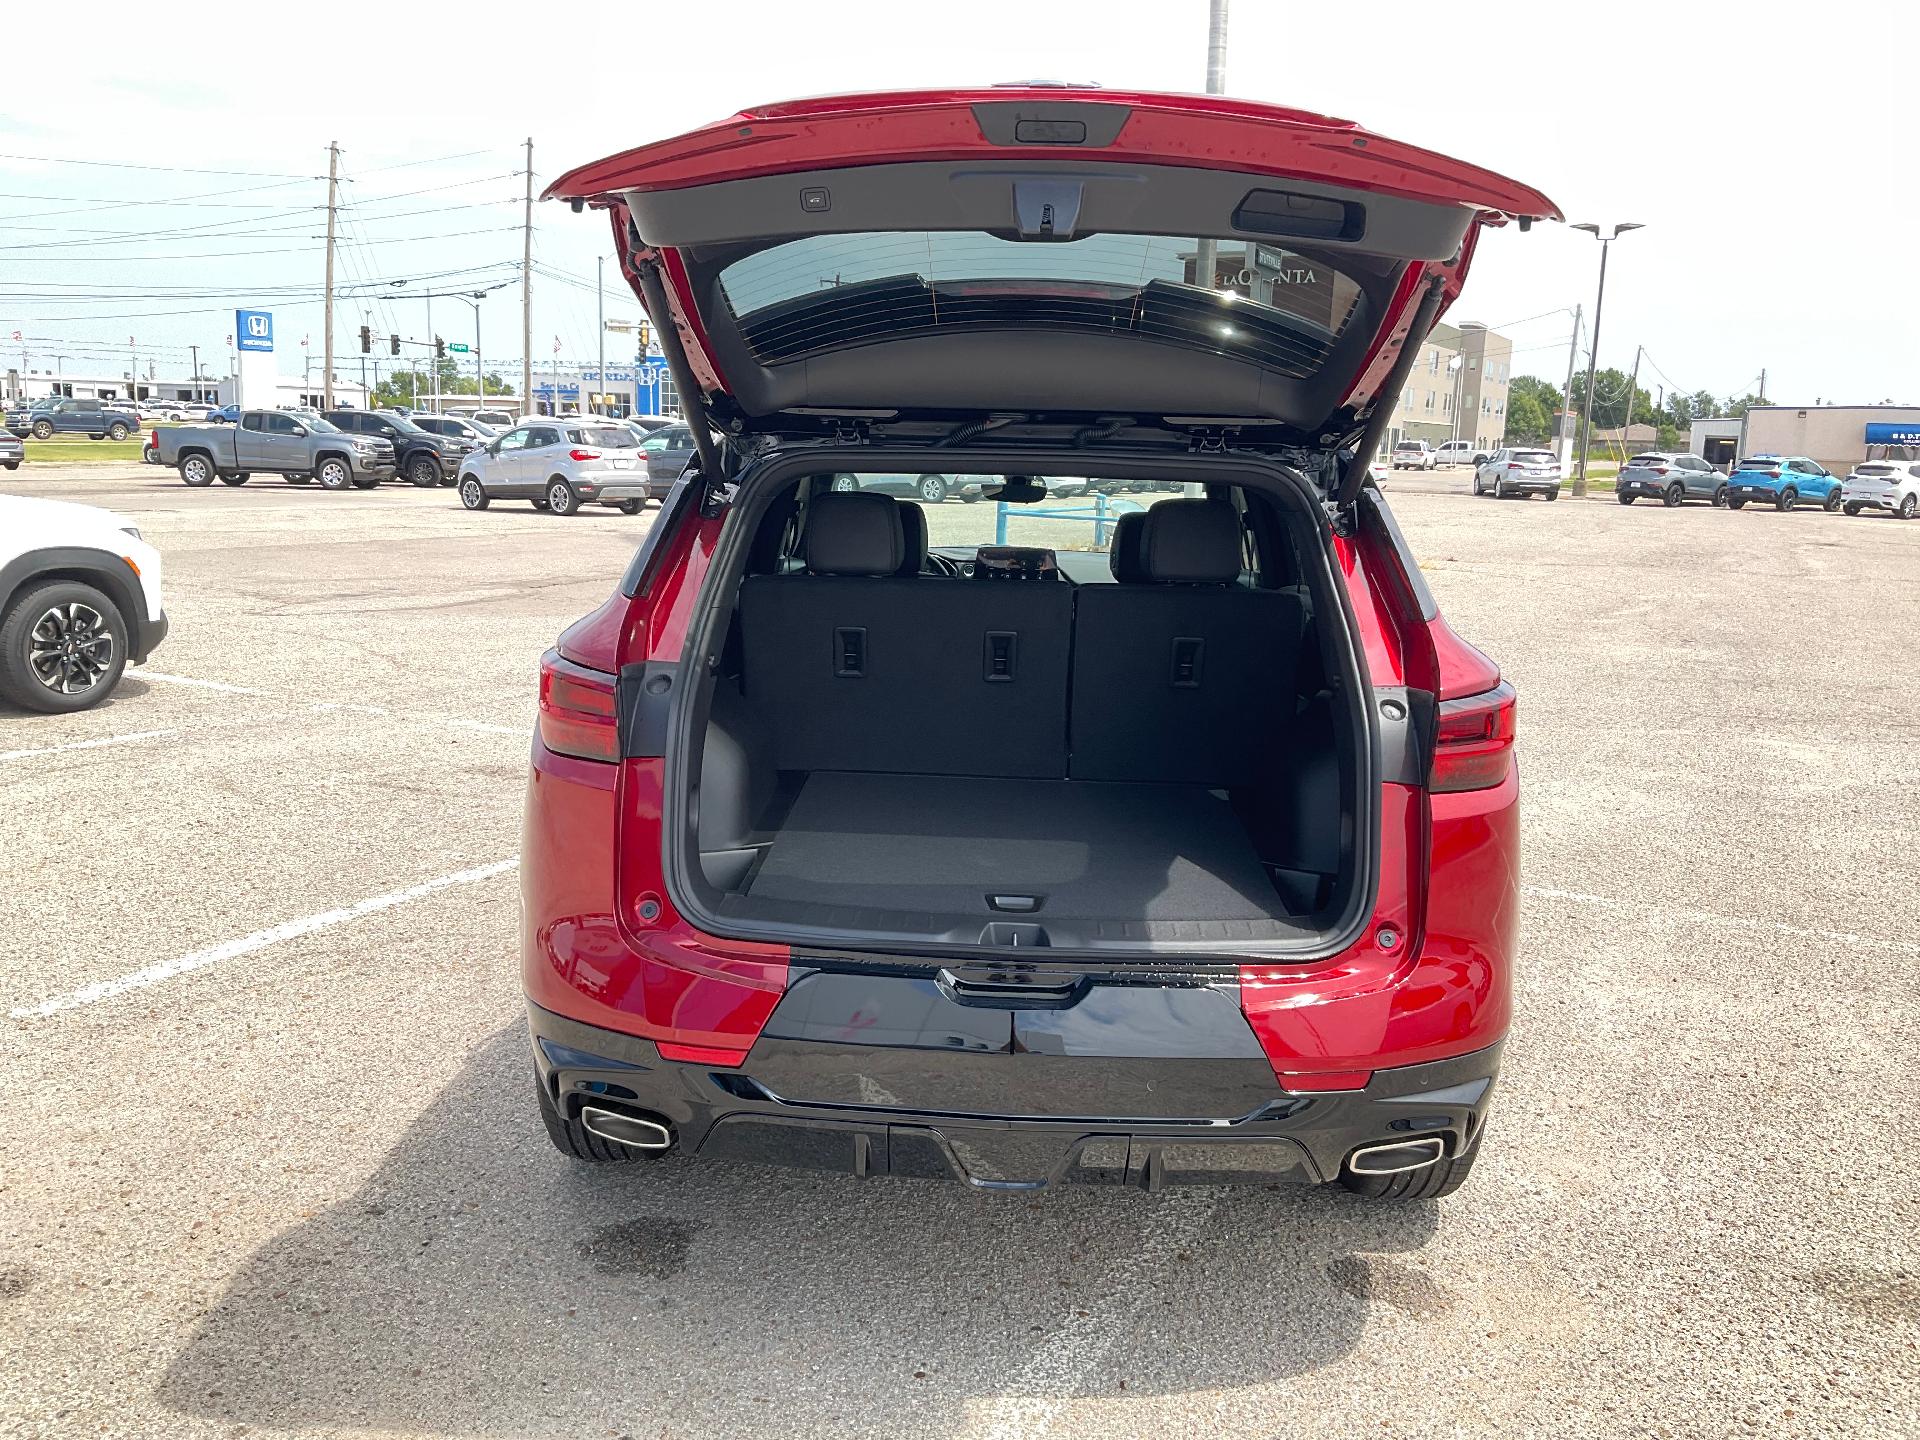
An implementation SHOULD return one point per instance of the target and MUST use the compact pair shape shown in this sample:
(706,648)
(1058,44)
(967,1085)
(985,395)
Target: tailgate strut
(692,402)
(1389,393)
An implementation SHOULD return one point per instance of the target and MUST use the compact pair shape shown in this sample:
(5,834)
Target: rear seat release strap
(850,652)
(1188,652)
(999,655)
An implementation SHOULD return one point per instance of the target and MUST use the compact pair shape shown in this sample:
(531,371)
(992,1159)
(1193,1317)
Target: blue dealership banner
(1904,433)
(253,329)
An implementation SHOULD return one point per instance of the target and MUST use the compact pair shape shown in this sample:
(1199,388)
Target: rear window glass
(825,292)
(1534,457)
(1760,464)
(1408,445)
(1878,471)
(612,437)
(1648,460)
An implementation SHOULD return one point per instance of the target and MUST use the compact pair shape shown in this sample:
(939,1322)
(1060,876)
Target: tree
(1610,410)
(1528,422)
(1737,408)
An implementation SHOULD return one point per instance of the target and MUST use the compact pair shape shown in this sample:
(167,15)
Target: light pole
(1456,366)
(1593,353)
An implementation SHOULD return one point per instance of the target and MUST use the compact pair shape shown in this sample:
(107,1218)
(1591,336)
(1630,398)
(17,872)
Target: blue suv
(1783,481)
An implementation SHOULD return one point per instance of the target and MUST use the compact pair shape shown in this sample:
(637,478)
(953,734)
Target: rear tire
(1736,502)
(1832,502)
(1433,1183)
(1675,494)
(844,483)
(196,470)
(1852,507)
(932,488)
(1554,493)
(1624,498)
(630,507)
(1720,498)
(560,498)
(234,479)
(117,431)
(1786,499)
(575,1141)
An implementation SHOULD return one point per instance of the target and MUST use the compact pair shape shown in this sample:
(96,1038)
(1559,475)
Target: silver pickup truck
(299,445)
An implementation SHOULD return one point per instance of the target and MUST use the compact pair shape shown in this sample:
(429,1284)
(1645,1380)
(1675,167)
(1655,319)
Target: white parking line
(258,940)
(1709,917)
(144,674)
(86,744)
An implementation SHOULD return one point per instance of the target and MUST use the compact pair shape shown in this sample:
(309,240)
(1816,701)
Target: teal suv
(1783,481)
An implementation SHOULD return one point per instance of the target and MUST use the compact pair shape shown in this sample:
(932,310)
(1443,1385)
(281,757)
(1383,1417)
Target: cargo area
(1132,743)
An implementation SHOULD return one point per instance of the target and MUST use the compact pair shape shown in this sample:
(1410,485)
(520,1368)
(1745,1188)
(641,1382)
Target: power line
(171,169)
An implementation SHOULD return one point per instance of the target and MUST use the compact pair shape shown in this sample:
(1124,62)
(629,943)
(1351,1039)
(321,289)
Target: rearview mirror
(1020,490)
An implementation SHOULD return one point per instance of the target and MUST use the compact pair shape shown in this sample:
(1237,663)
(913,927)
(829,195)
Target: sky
(1767,156)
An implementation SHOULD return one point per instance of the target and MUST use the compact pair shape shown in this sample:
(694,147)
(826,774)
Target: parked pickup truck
(72,417)
(301,447)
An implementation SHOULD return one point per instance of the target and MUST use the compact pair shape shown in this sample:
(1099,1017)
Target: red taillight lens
(578,714)
(155,437)
(584,454)
(1473,741)
(1659,469)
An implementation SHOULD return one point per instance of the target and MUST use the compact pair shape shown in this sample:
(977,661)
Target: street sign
(457,348)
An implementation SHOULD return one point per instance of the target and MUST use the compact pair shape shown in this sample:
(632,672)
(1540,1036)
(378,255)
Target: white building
(289,391)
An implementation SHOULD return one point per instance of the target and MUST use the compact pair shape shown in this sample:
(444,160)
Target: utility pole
(600,277)
(1763,386)
(333,205)
(1633,394)
(1207,250)
(196,371)
(1566,409)
(526,292)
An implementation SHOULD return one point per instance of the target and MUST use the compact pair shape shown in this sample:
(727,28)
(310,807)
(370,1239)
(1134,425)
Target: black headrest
(913,534)
(1191,542)
(854,532)
(1124,557)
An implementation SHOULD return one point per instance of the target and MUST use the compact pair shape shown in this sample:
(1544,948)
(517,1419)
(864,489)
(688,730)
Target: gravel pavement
(268,1157)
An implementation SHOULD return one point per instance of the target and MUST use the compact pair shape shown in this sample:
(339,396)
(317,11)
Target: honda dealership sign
(253,329)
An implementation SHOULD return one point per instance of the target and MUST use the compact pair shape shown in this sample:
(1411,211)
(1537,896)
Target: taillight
(584,454)
(1659,469)
(578,715)
(1473,741)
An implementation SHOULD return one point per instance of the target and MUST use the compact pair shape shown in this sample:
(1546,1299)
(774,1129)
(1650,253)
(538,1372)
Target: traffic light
(394,341)
(439,348)
(366,339)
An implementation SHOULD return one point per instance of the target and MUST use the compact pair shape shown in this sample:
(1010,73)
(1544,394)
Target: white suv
(1883,485)
(79,600)
(1413,455)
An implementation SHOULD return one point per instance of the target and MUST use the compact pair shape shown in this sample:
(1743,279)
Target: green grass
(79,450)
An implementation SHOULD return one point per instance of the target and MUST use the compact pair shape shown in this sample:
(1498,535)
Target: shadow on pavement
(480,1284)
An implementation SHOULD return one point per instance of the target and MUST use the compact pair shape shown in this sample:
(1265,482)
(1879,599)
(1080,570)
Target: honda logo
(259,325)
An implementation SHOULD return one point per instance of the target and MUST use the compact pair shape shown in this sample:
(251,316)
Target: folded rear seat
(1181,674)
(860,664)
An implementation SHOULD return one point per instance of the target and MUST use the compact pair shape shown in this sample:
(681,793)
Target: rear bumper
(1752,492)
(1274,1136)
(616,486)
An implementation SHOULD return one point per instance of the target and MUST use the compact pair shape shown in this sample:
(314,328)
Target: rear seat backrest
(857,665)
(1186,677)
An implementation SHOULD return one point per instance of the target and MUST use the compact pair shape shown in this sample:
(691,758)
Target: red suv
(1032,835)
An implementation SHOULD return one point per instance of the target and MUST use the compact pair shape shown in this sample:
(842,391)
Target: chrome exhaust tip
(624,1129)
(1397,1156)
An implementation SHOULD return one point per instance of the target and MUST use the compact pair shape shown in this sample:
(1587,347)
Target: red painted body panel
(1198,131)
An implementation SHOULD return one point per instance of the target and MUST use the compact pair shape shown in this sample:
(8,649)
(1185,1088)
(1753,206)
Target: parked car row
(1419,455)
(64,415)
(1785,482)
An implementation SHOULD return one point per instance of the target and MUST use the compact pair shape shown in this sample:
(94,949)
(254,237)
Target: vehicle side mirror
(300,430)
(493,448)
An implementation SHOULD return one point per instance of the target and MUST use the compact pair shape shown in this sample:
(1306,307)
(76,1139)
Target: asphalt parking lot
(270,1163)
